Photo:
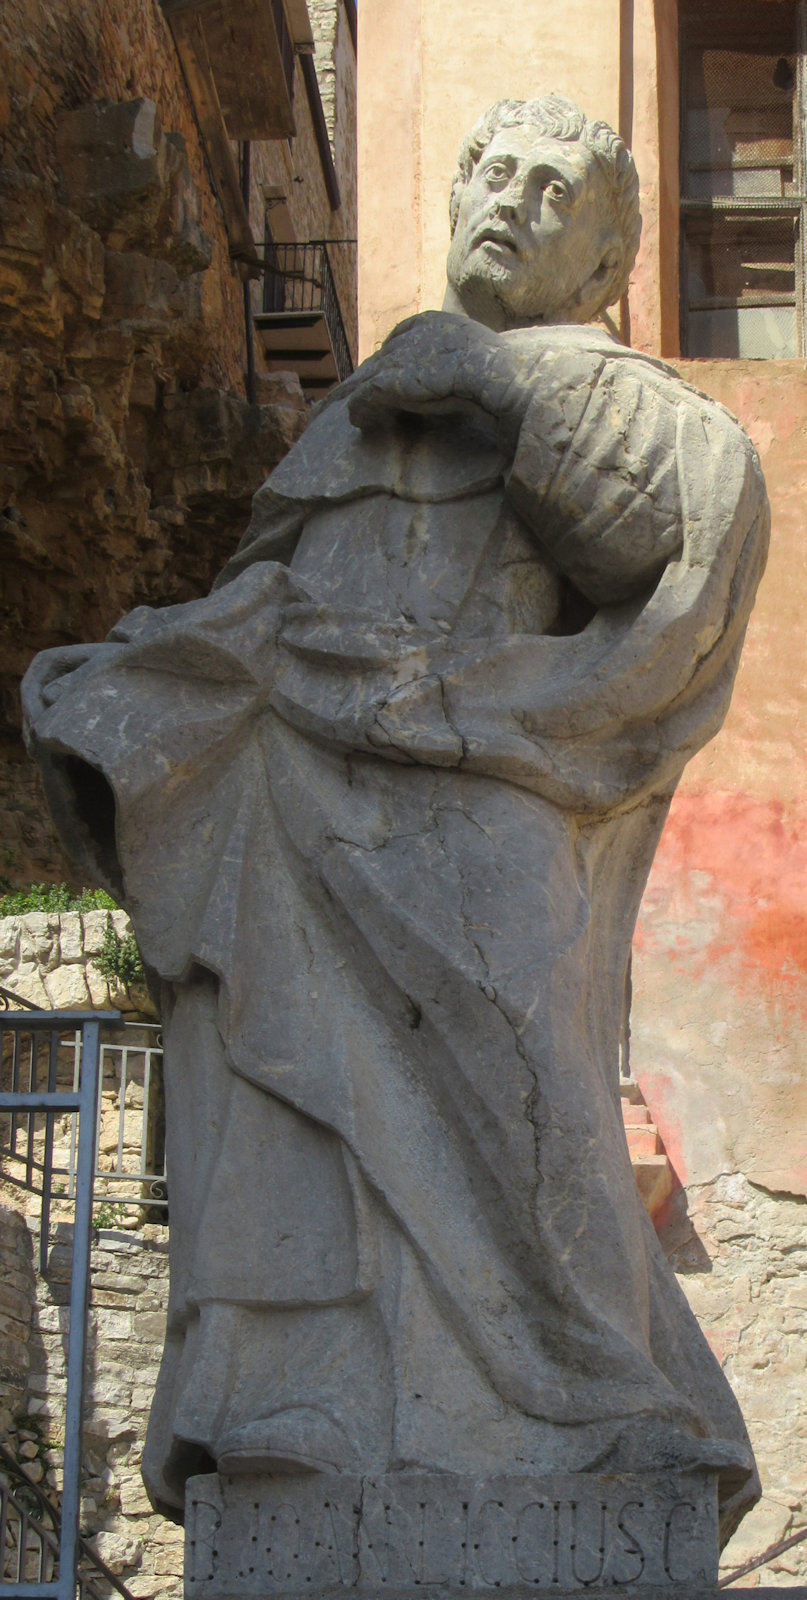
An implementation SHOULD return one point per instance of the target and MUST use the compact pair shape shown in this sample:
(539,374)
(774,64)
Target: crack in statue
(382,809)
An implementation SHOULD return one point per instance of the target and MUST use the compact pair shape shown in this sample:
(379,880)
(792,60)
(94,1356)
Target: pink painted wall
(719,1022)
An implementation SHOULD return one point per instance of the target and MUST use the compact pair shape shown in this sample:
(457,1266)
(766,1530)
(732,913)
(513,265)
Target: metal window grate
(742,198)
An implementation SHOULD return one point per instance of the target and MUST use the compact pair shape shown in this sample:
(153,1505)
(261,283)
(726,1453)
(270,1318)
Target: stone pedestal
(320,1536)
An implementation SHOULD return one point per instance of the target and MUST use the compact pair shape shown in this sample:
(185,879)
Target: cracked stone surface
(381,809)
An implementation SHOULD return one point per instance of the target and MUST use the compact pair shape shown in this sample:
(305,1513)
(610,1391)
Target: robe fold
(382,808)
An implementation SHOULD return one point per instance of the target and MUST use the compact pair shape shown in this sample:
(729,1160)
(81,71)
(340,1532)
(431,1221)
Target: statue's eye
(497,173)
(555,189)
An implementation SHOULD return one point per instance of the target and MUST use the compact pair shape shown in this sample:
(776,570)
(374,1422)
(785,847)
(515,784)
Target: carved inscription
(413,1531)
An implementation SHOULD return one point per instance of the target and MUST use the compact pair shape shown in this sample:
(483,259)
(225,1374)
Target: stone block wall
(128,450)
(46,957)
(127,1318)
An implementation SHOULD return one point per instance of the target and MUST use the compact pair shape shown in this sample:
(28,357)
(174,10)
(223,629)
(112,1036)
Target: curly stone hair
(560,118)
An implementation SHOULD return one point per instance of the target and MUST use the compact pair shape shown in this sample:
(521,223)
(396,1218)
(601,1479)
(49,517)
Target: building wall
(720,968)
(129,451)
(720,960)
(286,175)
(428,71)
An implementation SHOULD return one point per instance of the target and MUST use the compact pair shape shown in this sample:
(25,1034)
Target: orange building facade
(719,1003)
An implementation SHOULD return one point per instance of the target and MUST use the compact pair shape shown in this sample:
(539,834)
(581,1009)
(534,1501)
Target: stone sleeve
(595,474)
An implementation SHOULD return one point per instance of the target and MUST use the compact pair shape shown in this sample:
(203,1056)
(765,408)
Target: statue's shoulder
(638,370)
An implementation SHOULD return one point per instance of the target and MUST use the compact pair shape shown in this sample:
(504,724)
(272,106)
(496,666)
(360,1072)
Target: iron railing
(30,1045)
(129,1154)
(298,278)
(30,1535)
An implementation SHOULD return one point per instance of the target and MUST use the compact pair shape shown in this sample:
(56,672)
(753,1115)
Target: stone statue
(382,809)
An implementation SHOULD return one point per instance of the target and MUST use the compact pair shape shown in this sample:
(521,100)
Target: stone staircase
(651,1168)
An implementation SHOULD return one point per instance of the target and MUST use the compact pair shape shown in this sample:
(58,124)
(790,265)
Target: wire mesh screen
(741,183)
(739,123)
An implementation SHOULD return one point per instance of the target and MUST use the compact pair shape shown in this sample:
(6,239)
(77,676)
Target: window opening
(742,178)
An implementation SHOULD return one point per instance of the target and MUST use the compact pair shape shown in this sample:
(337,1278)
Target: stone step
(634,1114)
(644,1141)
(654,1179)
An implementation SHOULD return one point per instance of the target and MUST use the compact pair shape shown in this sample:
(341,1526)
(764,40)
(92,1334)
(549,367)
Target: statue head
(545,216)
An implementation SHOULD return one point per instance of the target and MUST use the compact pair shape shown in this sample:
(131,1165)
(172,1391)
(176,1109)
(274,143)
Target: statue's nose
(512,202)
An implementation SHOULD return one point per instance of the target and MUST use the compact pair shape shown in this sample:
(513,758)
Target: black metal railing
(31,1538)
(298,278)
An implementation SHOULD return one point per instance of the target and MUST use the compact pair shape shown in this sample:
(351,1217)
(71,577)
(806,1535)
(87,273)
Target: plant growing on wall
(53,897)
(120,961)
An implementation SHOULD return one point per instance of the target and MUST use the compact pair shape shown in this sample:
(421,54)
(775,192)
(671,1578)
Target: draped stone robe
(382,809)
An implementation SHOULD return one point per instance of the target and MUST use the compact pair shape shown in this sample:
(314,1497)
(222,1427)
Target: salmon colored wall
(653,139)
(428,69)
(719,1022)
(720,981)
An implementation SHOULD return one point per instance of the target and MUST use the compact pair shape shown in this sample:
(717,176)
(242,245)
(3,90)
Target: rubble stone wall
(743,1268)
(17,1297)
(128,451)
(46,957)
(129,1294)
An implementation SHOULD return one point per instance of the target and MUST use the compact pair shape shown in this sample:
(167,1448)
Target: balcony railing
(301,322)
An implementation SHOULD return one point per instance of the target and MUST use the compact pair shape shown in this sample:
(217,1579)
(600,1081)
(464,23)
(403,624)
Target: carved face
(535,225)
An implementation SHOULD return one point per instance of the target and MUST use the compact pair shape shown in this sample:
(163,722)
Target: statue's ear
(595,289)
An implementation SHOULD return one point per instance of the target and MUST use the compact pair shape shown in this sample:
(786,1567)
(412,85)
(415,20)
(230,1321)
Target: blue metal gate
(29,1057)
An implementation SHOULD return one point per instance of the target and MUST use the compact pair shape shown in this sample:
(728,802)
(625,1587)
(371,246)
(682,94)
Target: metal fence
(32,1047)
(129,1149)
(30,1536)
(298,278)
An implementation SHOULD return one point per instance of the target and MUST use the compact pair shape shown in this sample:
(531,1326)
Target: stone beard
(382,809)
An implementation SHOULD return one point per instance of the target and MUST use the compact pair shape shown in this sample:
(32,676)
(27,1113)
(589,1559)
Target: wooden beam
(185,22)
(300,26)
(321,131)
(247,64)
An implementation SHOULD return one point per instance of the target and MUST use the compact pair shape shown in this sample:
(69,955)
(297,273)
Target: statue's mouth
(493,236)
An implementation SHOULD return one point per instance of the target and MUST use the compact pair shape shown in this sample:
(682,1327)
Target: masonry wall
(129,1293)
(129,451)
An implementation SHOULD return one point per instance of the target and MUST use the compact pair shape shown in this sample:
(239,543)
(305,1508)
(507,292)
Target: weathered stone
(118,1550)
(321,1535)
(431,715)
(131,183)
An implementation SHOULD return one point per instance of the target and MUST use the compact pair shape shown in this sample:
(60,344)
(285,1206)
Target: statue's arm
(596,474)
(637,473)
(592,434)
